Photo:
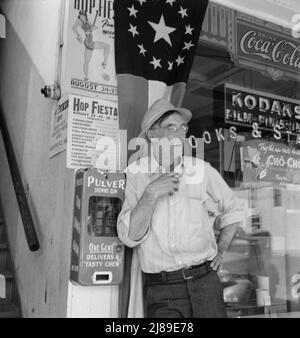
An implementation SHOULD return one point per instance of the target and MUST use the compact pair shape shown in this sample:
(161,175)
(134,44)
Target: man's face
(167,139)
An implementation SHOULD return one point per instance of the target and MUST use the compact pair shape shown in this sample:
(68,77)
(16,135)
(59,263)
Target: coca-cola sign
(261,45)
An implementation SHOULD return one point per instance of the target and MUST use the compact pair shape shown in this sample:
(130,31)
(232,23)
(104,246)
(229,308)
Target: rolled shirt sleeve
(231,209)
(123,223)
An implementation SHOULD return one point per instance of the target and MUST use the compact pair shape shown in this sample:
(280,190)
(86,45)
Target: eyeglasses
(173,130)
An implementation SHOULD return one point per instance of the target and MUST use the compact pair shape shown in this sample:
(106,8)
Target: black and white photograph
(150,162)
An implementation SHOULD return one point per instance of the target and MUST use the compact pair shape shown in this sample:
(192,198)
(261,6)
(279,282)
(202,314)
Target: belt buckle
(183,273)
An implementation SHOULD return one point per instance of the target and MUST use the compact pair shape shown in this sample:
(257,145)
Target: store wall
(28,61)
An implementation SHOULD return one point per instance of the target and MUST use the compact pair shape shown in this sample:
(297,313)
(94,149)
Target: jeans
(200,297)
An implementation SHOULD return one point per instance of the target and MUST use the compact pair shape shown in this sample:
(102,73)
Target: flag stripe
(158,90)
(174,93)
(177,95)
(133,102)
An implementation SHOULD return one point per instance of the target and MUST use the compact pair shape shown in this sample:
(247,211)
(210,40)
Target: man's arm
(225,238)
(231,210)
(136,214)
(142,214)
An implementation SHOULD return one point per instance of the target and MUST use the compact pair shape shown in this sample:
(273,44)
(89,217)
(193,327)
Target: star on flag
(183,12)
(162,31)
(189,29)
(132,11)
(142,49)
(156,62)
(188,45)
(133,30)
(141,2)
(170,2)
(179,60)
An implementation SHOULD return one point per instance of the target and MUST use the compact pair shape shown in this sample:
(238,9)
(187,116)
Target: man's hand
(225,238)
(141,215)
(163,185)
(216,263)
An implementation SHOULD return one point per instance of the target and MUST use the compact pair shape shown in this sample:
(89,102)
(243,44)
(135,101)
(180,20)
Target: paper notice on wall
(58,131)
(93,133)
(88,59)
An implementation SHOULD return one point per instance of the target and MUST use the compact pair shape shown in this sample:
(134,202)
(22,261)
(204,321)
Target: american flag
(155,44)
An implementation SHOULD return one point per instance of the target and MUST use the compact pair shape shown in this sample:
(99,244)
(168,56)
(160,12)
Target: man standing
(165,217)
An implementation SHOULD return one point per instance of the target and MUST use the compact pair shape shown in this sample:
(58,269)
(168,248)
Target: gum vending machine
(97,255)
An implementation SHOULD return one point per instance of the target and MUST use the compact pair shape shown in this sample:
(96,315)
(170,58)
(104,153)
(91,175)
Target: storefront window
(261,270)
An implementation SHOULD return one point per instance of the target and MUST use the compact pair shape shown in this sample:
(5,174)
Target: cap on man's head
(157,110)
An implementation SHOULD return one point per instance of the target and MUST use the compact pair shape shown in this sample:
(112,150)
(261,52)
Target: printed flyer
(58,132)
(89,67)
(93,133)
(270,162)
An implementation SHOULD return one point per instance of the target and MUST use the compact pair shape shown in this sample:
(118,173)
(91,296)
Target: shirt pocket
(194,235)
(195,210)
(195,197)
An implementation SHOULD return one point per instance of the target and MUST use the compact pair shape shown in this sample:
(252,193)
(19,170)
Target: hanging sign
(88,66)
(265,47)
(93,133)
(270,162)
(246,107)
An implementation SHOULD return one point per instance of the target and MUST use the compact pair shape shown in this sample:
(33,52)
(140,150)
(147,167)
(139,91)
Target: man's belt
(193,271)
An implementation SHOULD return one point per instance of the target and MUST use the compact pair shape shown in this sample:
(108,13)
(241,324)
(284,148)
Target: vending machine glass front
(102,216)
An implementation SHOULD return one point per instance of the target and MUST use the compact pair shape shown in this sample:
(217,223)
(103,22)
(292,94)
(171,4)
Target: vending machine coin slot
(102,277)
